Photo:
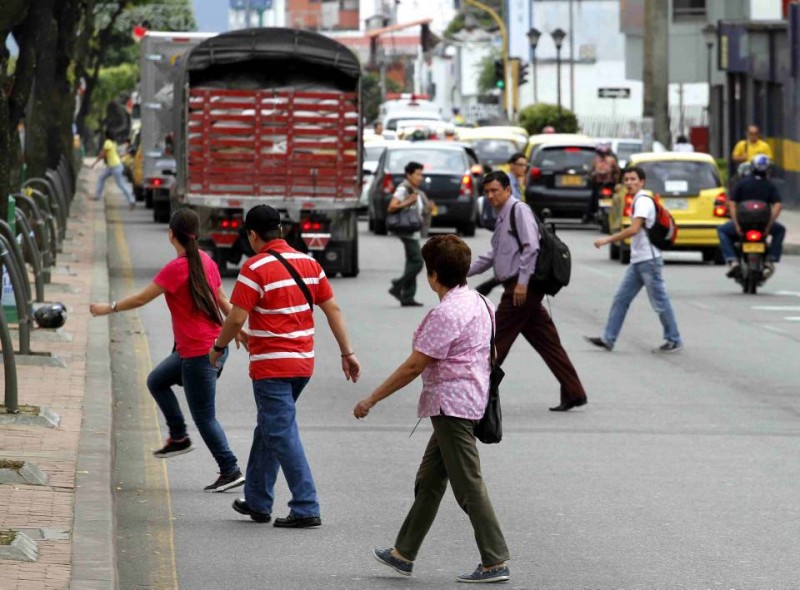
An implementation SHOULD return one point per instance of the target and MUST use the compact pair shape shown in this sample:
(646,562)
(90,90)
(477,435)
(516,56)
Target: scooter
(753,217)
(605,197)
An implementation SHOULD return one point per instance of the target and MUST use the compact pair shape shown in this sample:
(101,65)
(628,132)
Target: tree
(371,94)
(536,117)
(486,77)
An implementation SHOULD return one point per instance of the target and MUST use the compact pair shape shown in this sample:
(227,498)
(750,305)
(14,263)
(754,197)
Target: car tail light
(606,192)
(155,182)
(572,150)
(466,185)
(626,212)
(753,235)
(721,205)
(476,169)
(388,184)
(536,173)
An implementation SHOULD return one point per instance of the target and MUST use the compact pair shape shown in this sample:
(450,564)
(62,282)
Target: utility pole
(656,67)
(571,58)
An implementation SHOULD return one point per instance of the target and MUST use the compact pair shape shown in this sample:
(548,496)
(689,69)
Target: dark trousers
(452,455)
(414,263)
(535,324)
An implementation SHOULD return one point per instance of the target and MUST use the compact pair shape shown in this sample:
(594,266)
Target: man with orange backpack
(651,227)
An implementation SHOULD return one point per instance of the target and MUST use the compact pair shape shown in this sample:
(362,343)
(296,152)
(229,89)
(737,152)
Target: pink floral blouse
(456,334)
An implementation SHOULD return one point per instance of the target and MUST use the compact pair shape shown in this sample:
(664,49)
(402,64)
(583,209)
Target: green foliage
(486,75)
(722,166)
(371,93)
(535,117)
(112,82)
(485,21)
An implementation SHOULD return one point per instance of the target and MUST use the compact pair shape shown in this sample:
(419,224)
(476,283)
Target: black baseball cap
(262,218)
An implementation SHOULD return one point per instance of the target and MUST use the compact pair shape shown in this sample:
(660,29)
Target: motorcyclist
(755,187)
(604,172)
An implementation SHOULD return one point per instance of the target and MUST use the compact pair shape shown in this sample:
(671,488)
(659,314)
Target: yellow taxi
(689,186)
(495,145)
(536,140)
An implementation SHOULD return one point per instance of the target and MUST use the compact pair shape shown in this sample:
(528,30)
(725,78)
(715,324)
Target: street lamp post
(709,35)
(533,40)
(558,38)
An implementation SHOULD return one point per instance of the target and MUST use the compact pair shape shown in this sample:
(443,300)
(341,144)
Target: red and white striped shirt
(280,321)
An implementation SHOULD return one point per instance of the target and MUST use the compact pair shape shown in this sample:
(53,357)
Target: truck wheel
(613,252)
(467,230)
(380,227)
(624,255)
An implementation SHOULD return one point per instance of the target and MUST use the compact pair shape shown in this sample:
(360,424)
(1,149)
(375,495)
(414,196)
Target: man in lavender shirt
(521,311)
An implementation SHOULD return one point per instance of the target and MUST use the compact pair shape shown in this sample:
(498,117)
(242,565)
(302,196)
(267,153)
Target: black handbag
(489,429)
(405,221)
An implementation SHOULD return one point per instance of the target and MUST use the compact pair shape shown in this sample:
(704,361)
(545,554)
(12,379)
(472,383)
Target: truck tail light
(536,173)
(721,206)
(388,184)
(753,235)
(626,212)
(466,185)
(154,182)
(231,223)
(307,225)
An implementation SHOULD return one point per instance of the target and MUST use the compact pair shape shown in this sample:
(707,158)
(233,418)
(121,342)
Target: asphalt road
(681,472)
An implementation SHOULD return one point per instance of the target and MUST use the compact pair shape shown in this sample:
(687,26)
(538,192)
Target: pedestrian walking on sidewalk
(408,195)
(451,350)
(275,292)
(513,259)
(645,270)
(113,168)
(193,289)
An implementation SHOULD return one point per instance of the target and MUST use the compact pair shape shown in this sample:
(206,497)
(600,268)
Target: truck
(160,55)
(272,116)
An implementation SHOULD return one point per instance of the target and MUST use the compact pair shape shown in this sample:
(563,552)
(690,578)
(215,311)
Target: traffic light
(523,73)
(499,74)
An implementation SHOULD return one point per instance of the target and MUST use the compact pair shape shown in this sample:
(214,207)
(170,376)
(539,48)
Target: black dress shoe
(240,506)
(567,406)
(297,522)
(411,303)
(395,292)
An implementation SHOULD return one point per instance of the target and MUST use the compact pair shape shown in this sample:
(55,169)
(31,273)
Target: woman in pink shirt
(451,352)
(193,289)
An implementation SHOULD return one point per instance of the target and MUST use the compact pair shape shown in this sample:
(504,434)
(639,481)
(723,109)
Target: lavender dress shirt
(505,255)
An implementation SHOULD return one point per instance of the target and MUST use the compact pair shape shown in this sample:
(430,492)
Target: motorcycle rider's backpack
(554,262)
(664,231)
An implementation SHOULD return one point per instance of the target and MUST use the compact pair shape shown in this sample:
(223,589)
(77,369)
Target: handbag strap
(295,275)
(491,320)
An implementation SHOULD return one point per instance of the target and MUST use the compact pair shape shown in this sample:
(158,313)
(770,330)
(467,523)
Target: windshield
(564,158)
(434,161)
(494,151)
(679,178)
(392,123)
(625,149)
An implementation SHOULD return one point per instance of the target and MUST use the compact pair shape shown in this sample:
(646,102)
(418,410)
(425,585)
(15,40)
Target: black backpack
(554,262)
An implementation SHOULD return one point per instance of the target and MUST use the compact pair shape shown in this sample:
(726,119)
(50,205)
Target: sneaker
(385,557)
(131,206)
(226,482)
(174,447)
(240,506)
(482,576)
(297,522)
(668,347)
(733,270)
(599,342)
(769,268)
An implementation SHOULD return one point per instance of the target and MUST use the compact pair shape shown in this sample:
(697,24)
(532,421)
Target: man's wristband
(218,348)
(348,354)
(114,306)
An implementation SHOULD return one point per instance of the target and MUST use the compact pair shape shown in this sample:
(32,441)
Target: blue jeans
(728,236)
(117,173)
(645,274)
(276,445)
(199,379)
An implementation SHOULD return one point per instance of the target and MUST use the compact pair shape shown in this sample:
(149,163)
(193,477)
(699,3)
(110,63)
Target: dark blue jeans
(727,237)
(276,445)
(199,379)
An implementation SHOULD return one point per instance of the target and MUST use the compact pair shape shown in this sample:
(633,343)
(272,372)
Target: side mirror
(367,172)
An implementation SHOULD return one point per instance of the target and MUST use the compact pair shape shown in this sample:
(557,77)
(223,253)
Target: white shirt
(641,248)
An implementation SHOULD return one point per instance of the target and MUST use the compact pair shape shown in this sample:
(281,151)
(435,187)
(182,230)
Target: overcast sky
(212,15)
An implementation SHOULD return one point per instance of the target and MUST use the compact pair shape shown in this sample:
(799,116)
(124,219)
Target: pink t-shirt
(456,334)
(193,330)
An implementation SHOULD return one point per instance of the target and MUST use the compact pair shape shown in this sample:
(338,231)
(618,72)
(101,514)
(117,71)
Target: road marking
(155,471)
(793,319)
(788,293)
(776,307)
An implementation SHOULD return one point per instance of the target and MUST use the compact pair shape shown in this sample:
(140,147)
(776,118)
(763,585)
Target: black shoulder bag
(296,276)
(489,429)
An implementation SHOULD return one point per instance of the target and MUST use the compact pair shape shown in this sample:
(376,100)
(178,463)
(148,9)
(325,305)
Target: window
(688,9)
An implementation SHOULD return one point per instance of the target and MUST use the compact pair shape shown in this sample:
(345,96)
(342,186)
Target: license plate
(754,248)
(605,202)
(676,204)
(438,209)
(570,180)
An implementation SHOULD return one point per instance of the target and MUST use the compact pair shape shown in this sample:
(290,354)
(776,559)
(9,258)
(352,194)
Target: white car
(625,147)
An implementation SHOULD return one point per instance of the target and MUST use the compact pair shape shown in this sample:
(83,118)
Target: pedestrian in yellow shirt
(747,149)
(113,168)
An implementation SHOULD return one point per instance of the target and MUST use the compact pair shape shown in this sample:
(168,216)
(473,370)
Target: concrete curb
(94,547)
(791,249)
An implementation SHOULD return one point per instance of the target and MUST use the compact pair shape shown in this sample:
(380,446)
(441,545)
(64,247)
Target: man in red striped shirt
(275,292)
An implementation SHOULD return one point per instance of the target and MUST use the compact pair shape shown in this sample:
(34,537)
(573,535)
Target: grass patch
(23,409)
(13,465)
(7,537)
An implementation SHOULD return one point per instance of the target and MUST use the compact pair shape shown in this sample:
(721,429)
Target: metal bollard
(35,256)
(9,364)
(10,263)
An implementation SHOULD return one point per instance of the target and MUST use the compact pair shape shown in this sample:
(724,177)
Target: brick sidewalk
(61,389)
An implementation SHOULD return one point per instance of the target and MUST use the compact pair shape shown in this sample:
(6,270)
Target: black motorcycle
(753,217)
